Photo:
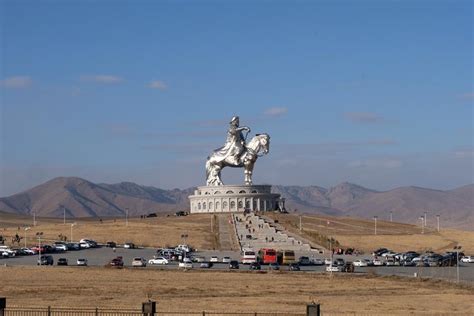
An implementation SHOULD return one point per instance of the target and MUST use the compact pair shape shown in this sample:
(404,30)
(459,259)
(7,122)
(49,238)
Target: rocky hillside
(81,198)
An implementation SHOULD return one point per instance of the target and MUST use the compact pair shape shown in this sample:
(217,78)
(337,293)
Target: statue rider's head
(235,121)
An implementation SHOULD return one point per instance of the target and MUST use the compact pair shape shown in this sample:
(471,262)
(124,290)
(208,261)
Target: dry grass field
(153,232)
(231,291)
(359,233)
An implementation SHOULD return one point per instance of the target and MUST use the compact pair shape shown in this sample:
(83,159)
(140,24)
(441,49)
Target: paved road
(101,256)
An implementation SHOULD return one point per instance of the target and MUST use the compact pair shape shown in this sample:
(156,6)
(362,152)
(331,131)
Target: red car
(37,249)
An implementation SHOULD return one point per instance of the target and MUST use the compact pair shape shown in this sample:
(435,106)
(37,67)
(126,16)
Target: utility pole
(301,227)
(375,227)
(126,217)
(26,229)
(457,248)
(64,215)
(391,216)
(422,224)
(437,220)
(72,225)
(34,218)
(425,220)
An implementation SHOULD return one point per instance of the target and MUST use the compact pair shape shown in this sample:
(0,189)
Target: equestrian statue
(236,153)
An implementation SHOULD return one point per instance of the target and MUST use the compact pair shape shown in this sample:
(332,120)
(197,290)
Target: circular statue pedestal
(235,198)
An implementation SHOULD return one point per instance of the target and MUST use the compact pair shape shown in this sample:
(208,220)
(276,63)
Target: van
(248,256)
(286,257)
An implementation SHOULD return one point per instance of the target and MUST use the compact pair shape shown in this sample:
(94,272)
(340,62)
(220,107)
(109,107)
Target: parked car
(158,260)
(27,251)
(294,267)
(116,262)
(187,259)
(233,264)
(380,252)
(73,246)
(360,263)
(46,261)
(332,268)
(82,262)
(274,266)
(339,262)
(255,266)
(304,261)
(198,259)
(129,245)
(138,262)
(185,265)
(214,259)
(111,244)
(378,262)
(62,262)
(226,260)
(85,245)
(468,259)
(317,262)
(206,265)
(327,261)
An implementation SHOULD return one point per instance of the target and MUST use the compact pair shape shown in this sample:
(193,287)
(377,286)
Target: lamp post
(301,227)
(72,225)
(375,225)
(457,248)
(422,224)
(437,220)
(126,216)
(34,218)
(425,220)
(391,216)
(64,215)
(26,229)
(39,234)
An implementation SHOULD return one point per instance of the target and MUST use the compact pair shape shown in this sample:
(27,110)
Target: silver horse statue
(236,153)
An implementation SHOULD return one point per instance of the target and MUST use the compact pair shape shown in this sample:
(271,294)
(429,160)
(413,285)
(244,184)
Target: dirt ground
(231,291)
(149,232)
(359,233)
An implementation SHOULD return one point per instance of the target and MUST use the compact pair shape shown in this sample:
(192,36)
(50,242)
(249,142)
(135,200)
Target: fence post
(3,305)
(49,310)
(96,311)
(149,308)
(313,310)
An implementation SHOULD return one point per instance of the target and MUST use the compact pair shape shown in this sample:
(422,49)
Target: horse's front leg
(248,167)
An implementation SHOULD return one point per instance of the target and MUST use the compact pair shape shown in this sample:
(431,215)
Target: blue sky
(379,93)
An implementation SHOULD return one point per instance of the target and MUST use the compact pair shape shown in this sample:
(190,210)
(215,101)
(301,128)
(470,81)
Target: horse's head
(264,143)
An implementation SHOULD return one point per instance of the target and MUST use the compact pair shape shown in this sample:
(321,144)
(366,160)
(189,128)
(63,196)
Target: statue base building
(235,198)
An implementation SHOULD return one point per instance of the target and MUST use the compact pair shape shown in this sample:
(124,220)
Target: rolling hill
(82,198)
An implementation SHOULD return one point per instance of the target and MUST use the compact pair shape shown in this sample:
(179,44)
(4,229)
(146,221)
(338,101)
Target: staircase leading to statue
(254,232)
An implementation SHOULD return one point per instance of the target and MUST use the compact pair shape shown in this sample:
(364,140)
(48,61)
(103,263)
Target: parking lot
(101,257)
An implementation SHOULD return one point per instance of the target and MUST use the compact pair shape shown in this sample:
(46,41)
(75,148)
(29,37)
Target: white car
(317,262)
(185,265)
(468,259)
(360,263)
(184,248)
(226,260)
(84,245)
(82,262)
(332,268)
(187,259)
(138,262)
(378,262)
(389,254)
(214,259)
(327,261)
(60,247)
(28,251)
(159,260)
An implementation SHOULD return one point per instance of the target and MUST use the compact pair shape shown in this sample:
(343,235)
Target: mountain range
(82,198)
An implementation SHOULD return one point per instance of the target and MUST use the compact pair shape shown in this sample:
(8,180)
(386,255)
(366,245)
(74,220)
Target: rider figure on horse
(235,143)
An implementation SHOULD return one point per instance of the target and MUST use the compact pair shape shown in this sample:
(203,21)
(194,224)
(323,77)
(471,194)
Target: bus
(248,256)
(286,257)
(267,256)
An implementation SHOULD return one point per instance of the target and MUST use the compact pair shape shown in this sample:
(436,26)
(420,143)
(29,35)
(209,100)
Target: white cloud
(106,79)
(275,111)
(376,163)
(363,117)
(158,84)
(468,153)
(16,82)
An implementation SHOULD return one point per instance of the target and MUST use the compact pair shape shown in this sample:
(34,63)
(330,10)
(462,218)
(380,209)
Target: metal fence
(49,311)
